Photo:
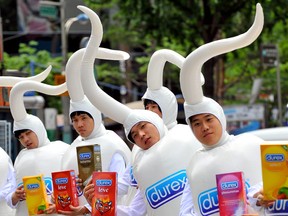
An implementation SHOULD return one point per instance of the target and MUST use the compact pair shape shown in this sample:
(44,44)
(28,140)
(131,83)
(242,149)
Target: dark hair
(148,101)
(77,113)
(19,132)
(130,137)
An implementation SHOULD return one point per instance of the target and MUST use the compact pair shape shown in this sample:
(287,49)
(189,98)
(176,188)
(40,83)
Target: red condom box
(104,202)
(65,190)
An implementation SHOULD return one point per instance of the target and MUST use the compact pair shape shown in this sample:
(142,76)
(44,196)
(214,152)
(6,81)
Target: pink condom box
(231,194)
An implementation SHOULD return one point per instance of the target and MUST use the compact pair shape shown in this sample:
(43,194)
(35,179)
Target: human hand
(18,195)
(260,200)
(79,210)
(51,209)
(89,192)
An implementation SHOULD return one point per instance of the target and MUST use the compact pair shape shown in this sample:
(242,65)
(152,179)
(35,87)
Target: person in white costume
(221,152)
(7,179)
(87,121)
(40,155)
(152,126)
(163,102)
(155,170)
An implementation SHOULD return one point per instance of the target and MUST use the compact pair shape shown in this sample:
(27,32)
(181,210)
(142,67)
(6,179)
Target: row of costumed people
(158,159)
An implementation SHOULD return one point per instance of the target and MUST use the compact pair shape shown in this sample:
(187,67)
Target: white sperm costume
(115,153)
(231,153)
(7,178)
(160,170)
(44,159)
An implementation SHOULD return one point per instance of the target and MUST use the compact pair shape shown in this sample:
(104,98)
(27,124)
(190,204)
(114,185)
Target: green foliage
(28,53)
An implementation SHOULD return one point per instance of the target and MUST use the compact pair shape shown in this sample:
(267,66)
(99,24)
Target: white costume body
(115,154)
(160,170)
(230,154)
(42,160)
(7,182)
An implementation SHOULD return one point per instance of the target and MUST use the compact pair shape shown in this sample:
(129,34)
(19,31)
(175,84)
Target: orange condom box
(89,160)
(36,197)
(104,201)
(274,159)
(231,194)
(65,189)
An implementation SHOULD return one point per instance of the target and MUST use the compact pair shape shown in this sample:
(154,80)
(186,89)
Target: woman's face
(206,128)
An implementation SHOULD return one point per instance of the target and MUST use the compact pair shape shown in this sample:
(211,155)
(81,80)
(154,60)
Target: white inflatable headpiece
(79,102)
(156,91)
(106,104)
(191,89)
(22,120)
(9,81)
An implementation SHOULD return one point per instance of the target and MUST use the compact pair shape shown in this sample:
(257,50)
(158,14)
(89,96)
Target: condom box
(36,197)
(104,201)
(274,159)
(65,189)
(89,160)
(231,194)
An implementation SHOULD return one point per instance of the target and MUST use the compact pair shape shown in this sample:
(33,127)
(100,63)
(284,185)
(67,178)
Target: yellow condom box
(36,197)
(274,158)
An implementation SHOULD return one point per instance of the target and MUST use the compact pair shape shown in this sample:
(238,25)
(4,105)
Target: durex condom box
(231,194)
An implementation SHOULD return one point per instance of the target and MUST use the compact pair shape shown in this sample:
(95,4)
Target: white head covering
(156,92)
(195,102)
(22,120)
(208,105)
(167,102)
(137,116)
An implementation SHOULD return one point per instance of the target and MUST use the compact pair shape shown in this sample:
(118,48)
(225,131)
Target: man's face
(154,108)
(29,139)
(83,124)
(207,128)
(145,134)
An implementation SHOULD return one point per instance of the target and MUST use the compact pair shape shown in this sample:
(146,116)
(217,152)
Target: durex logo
(104,182)
(48,185)
(274,157)
(208,202)
(33,186)
(133,180)
(61,181)
(166,189)
(229,185)
(85,156)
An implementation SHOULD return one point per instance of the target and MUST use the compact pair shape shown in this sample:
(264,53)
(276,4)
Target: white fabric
(136,208)
(33,123)
(43,160)
(166,100)
(7,182)
(186,206)
(136,116)
(86,106)
(111,145)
